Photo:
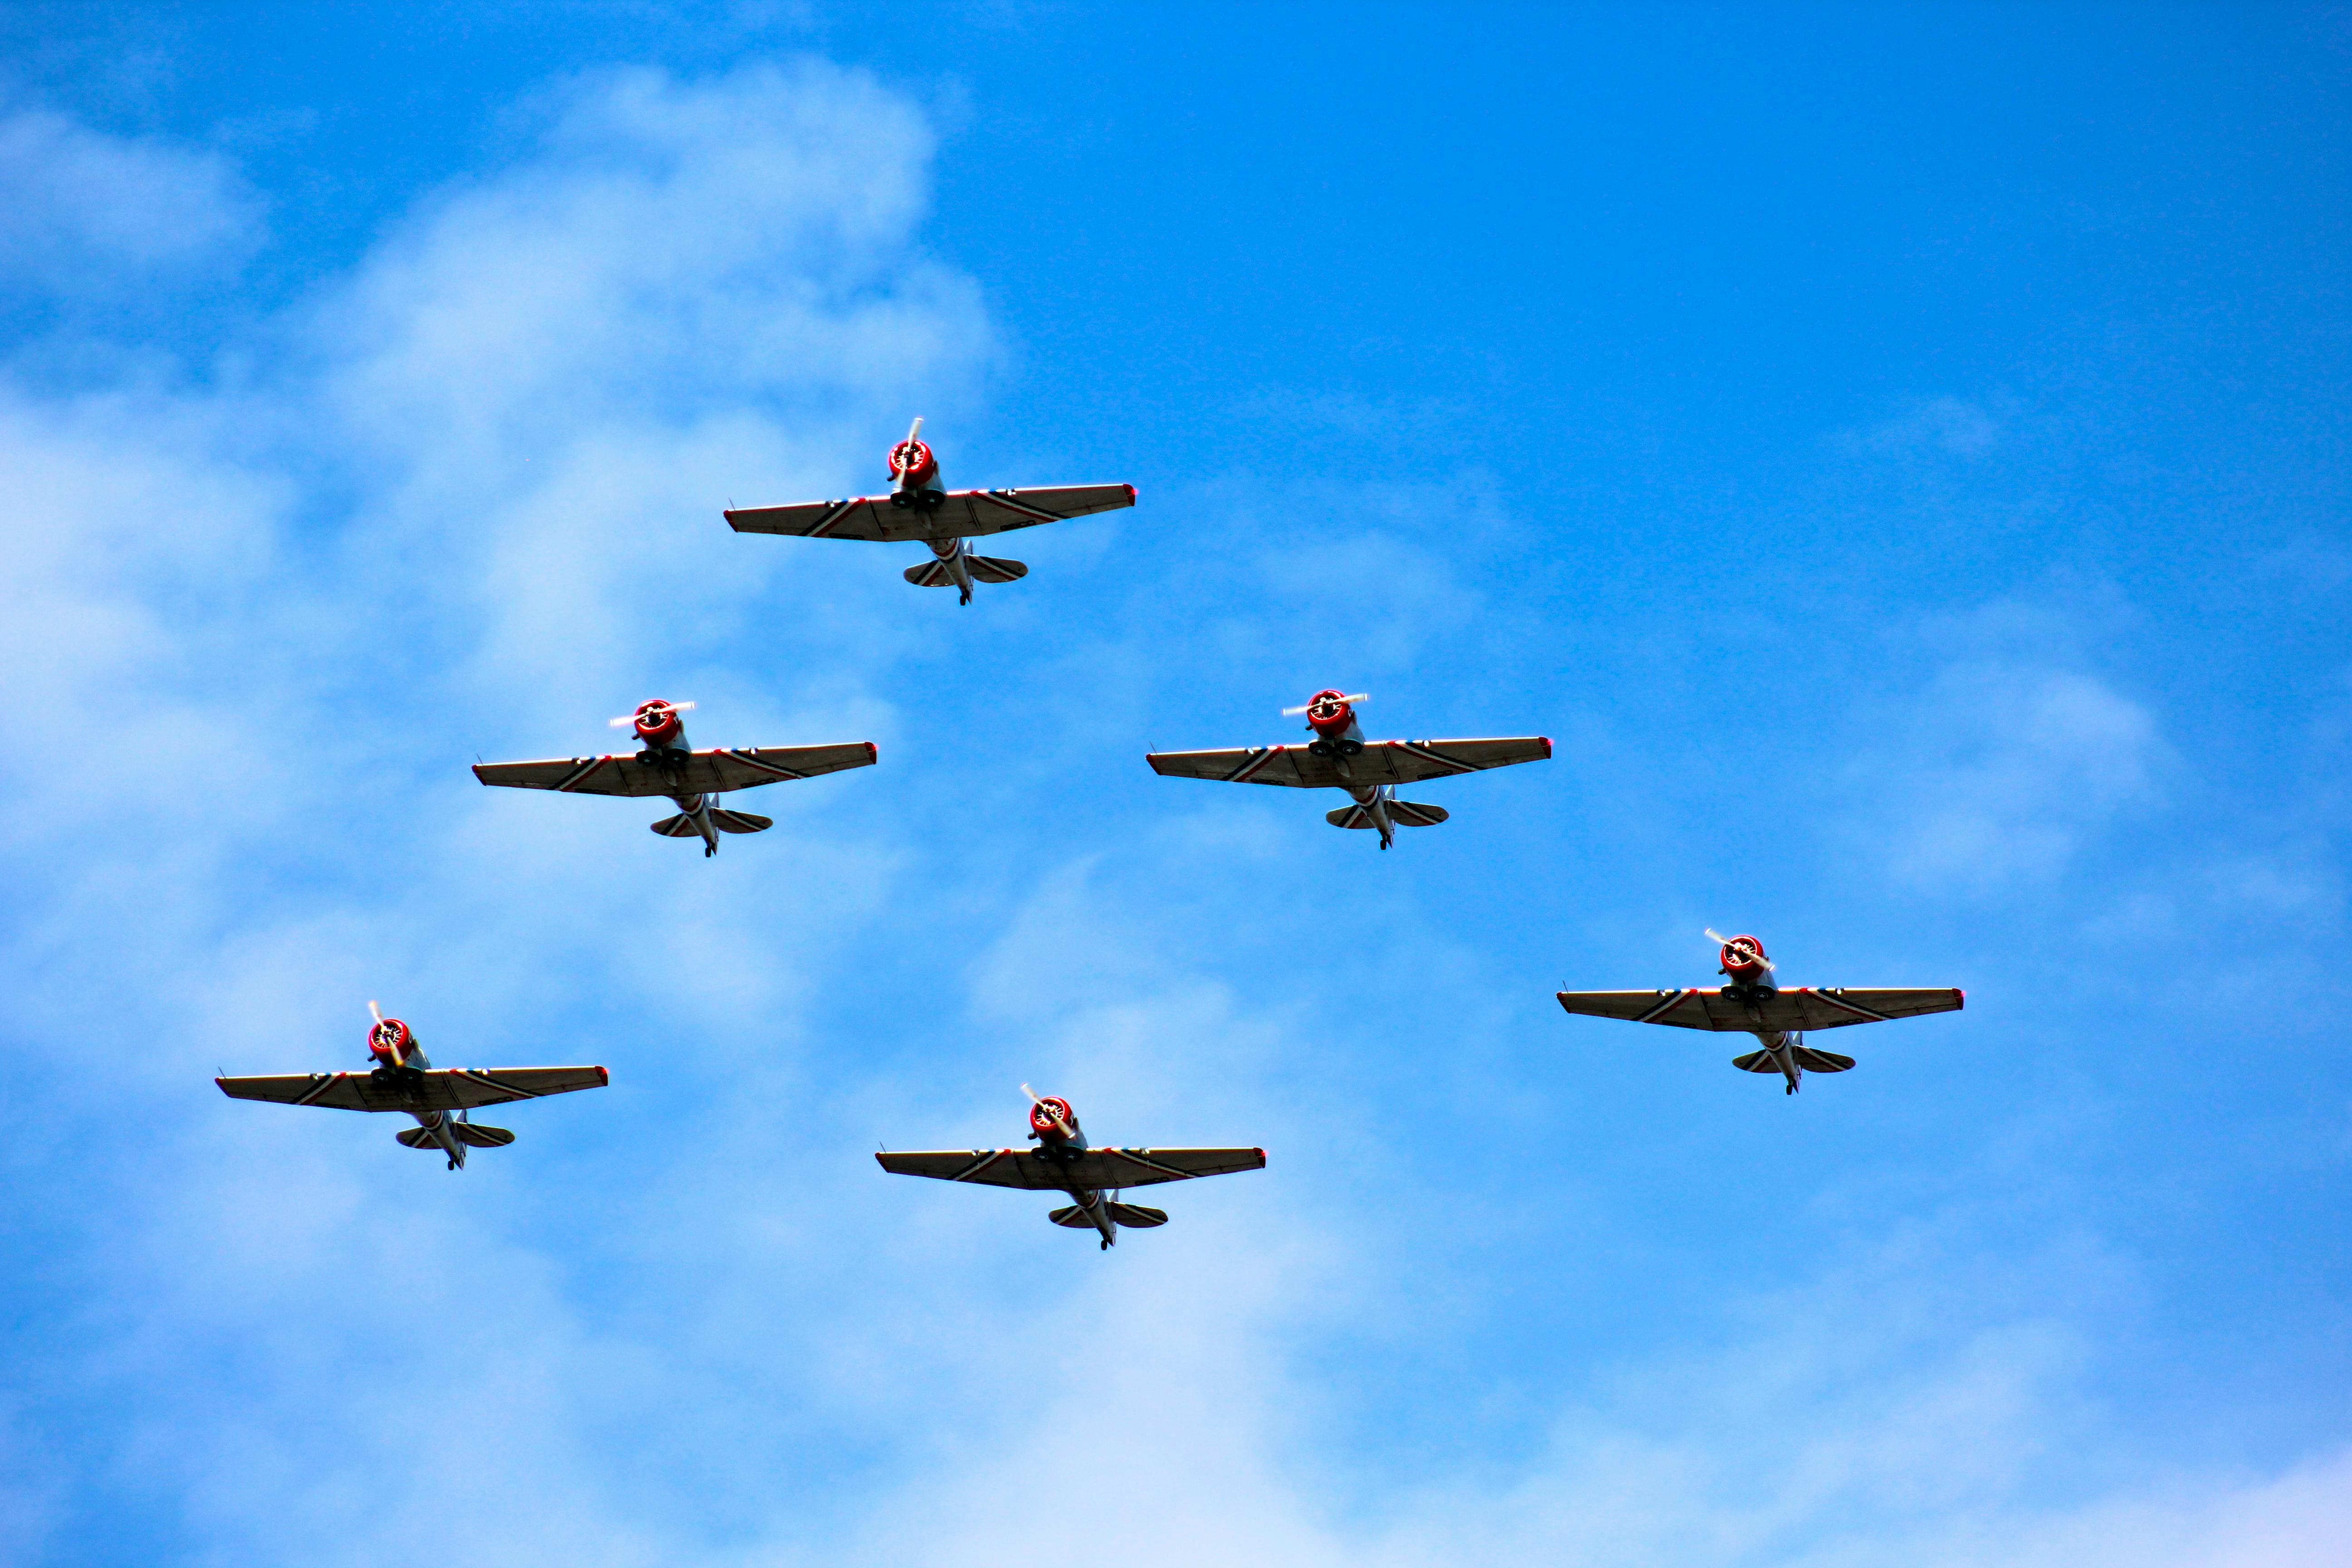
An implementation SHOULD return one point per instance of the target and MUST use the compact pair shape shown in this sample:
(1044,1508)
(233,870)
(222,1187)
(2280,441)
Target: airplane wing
(963,514)
(1804,1007)
(436,1088)
(703,773)
(1097,1168)
(1380,763)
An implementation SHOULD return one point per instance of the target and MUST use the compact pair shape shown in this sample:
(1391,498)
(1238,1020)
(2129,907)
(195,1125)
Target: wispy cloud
(90,211)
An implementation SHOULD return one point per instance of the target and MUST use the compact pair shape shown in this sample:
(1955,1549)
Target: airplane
(693,779)
(405,1078)
(1776,1017)
(920,507)
(1339,757)
(1062,1161)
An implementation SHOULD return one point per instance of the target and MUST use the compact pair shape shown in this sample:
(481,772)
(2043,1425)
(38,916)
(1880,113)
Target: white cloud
(1949,426)
(2000,769)
(88,210)
(477,507)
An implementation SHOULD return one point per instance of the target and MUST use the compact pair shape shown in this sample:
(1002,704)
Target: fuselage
(661,731)
(1055,1126)
(399,1058)
(917,485)
(1747,973)
(1340,739)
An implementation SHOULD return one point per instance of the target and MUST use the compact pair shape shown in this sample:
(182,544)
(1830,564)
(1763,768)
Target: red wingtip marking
(872,753)
(1131,495)
(604,1078)
(1547,743)
(1961,994)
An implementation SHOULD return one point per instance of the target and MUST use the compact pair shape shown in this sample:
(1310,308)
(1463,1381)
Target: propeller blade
(1720,939)
(1036,1099)
(626,719)
(373,1014)
(914,431)
(1351,701)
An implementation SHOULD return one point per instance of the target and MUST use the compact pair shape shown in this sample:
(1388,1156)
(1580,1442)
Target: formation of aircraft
(921,506)
(1340,758)
(1749,1001)
(693,780)
(405,1079)
(1093,1178)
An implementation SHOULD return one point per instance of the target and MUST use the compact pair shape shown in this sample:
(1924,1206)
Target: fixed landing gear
(1106,1243)
(1787,1089)
(708,850)
(966,597)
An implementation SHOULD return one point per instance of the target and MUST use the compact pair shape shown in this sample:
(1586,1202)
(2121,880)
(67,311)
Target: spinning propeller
(1052,1110)
(626,719)
(1350,701)
(1745,946)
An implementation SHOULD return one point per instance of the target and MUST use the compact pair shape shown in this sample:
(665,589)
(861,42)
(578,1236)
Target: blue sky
(1899,458)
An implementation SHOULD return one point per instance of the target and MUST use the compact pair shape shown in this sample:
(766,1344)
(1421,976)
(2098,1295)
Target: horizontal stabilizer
(1073,1216)
(416,1137)
(1813,1061)
(994,569)
(1412,813)
(933,573)
(739,821)
(1135,1217)
(678,827)
(483,1137)
(1348,816)
(1756,1061)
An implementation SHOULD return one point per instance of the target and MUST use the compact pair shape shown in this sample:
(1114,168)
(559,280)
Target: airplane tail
(678,827)
(1134,1216)
(1807,1058)
(934,573)
(1403,812)
(468,1133)
(739,821)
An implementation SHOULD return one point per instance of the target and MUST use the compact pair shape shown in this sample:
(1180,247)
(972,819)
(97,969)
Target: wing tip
(1545,741)
(1959,999)
(873,753)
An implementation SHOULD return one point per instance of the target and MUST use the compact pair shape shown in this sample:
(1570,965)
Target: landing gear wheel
(901,499)
(1106,1243)
(1787,1089)
(708,850)
(1349,748)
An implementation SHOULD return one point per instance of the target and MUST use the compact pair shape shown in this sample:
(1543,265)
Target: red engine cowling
(1743,959)
(390,1042)
(1329,714)
(1042,1113)
(659,722)
(912,462)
